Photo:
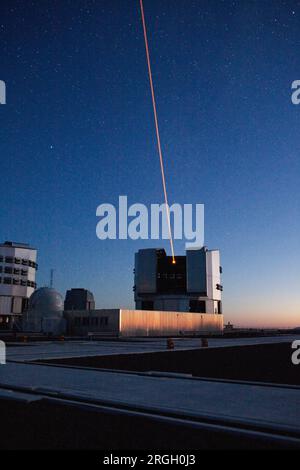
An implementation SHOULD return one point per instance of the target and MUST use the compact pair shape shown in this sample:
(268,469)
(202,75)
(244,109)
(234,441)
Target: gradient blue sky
(78,131)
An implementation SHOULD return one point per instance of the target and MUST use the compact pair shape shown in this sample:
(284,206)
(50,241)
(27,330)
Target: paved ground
(51,350)
(265,405)
(261,406)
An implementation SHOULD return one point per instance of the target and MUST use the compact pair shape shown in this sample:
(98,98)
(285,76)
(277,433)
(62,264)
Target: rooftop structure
(45,312)
(17,280)
(79,299)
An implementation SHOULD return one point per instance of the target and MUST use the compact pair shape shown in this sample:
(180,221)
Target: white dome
(45,312)
(46,299)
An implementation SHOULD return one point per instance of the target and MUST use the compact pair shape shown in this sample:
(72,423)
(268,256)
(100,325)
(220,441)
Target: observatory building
(171,299)
(79,299)
(192,284)
(45,312)
(17,280)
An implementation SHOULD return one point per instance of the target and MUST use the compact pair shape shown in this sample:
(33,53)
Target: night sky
(78,131)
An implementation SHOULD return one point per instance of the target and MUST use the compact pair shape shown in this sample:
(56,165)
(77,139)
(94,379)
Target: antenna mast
(51,277)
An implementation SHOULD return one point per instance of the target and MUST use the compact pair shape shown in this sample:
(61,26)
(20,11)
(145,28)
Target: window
(147,305)
(31,284)
(25,262)
(24,272)
(16,271)
(17,260)
(197,306)
(1,259)
(9,259)
(8,270)
(7,280)
(32,264)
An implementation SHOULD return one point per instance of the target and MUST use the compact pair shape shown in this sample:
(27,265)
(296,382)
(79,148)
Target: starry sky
(78,131)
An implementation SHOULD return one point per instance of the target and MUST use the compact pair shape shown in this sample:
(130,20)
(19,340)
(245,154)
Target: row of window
(17,282)
(219,287)
(12,260)
(9,270)
(91,321)
(170,276)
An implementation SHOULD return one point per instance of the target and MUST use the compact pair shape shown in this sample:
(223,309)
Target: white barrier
(2,92)
(2,353)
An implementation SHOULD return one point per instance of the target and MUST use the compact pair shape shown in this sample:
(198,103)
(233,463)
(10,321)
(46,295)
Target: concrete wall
(82,322)
(145,271)
(196,271)
(161,323)
(124,322)
(213,274)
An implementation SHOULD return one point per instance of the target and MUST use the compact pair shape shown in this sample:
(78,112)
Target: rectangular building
(17,280)
(124,322)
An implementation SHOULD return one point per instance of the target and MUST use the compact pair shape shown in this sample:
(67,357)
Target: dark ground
(48,425)
(265,362)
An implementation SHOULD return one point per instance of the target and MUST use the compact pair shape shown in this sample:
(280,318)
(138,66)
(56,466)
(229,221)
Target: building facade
(17,280)
(192,284)
(140,323)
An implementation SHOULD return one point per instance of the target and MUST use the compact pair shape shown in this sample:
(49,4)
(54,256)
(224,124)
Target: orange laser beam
(157,130)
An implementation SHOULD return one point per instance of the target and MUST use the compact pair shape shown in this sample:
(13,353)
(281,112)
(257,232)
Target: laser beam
(157,132)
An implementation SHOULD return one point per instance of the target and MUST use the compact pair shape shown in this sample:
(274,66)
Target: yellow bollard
(170,343)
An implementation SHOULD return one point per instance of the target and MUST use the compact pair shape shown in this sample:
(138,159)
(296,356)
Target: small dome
(47,299)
